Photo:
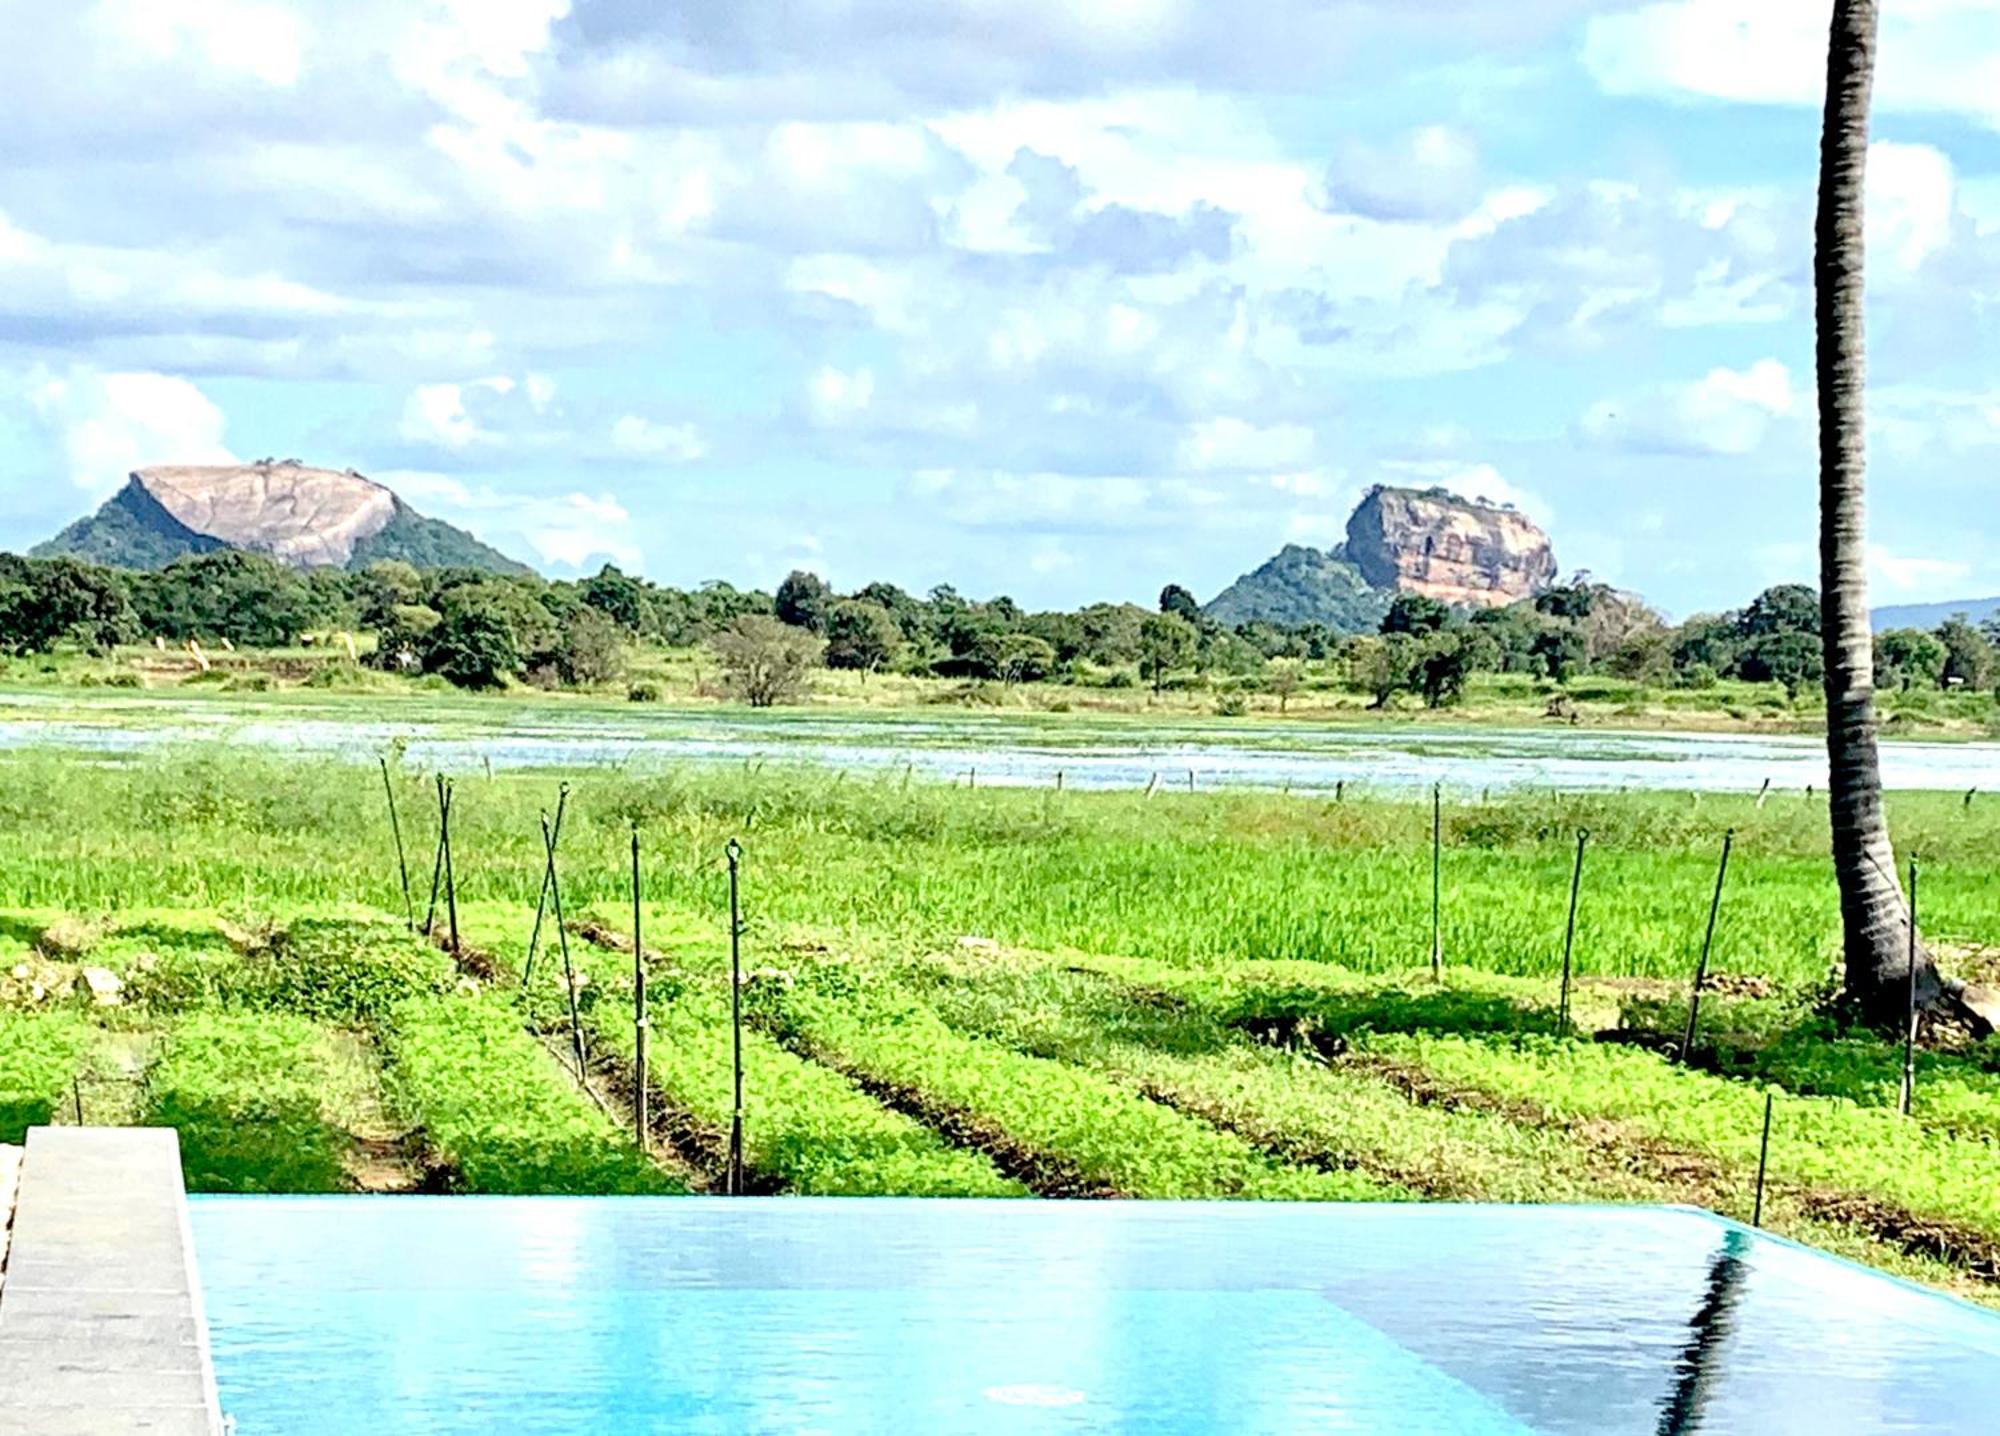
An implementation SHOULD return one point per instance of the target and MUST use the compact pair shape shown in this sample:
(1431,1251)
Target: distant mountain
(311,518)
(1930,615)
(1429,541)
(1303,585)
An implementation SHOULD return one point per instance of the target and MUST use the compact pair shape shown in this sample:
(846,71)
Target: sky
(1031,297)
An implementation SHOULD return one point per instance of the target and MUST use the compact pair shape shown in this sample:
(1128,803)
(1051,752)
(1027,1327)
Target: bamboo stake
(402,864)
(1569,932)
(1707,942)
(734,1177)
(1910,1024)
(562,937)
(548,877)
(1437,868)
(639,1121)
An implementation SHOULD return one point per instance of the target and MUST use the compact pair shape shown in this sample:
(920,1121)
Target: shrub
(644,691)
(39,1054)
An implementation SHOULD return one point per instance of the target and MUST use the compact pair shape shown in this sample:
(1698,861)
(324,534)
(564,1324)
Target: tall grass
(1187,879)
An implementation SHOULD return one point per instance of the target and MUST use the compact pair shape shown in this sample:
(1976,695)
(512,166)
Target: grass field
(987,992)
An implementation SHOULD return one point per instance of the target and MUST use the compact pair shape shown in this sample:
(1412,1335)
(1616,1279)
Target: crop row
(497,1110)
(1094,1129)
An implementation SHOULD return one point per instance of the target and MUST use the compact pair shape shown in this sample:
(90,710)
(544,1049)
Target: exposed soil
(694,1150)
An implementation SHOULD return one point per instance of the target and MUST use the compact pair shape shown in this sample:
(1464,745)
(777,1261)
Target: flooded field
(988,749)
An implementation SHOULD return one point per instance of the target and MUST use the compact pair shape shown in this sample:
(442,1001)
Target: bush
(766,662)
(644,691)
(349,972)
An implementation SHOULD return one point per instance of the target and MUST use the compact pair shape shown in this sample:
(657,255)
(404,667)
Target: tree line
(478,630)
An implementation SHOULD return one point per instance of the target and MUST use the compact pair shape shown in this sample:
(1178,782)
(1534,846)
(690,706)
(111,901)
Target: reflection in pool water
(434,1315)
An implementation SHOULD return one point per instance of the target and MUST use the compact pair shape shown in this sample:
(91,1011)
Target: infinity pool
(422,1315)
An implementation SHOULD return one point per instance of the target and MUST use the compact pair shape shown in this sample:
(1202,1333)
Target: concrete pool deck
(101,1323)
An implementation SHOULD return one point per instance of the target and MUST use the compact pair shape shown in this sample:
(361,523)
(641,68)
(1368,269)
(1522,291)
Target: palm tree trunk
(1875,921)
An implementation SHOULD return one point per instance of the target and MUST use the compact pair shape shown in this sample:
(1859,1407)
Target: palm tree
(1875,920)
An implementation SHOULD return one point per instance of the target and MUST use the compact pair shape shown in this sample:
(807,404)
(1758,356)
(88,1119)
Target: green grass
(40,1054)
(494,1105)
(254,1097)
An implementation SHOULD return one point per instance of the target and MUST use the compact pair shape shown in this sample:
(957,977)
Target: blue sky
(1054,300)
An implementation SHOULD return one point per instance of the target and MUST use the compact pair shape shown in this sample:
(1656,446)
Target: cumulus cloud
(107,425)
(1941,56)
(1480,482)
(1726,412)
(1431,173)
(485,411)
(575,531)
(646,438)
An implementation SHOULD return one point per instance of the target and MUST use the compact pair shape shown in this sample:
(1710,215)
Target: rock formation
(1452,549)
(289,511)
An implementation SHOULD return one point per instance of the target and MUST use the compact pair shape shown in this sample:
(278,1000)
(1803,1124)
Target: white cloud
(646,438)
(1912,202)
(836,396)
(475,412)
(1233,445)
(1727,411)
(265,42)
(1905,574)
(107,425)
(1935,55)
(575,530)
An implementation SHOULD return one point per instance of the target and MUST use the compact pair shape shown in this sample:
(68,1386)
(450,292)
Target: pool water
(424,1315)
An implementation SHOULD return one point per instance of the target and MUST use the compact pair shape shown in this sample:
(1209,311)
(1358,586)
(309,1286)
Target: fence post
(437,862)
(548,879)
(1569,932)
(1437,890)
(562,942)
(638,1008)
(1763,1163)
(734,1176)
(450,876)
(1707,941)
(1910,1024)
(402,865)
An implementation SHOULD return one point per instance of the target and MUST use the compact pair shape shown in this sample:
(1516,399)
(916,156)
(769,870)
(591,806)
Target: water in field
(985,749)
(530,1315)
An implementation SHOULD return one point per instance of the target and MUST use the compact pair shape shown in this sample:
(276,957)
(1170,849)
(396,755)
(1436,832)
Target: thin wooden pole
(1437,888)
(450,876)
(1707,942)
(1910,1023)
(548,878)
(1569,932)
(735,1172)
(1763,1164)
(402,864)
(437,863)
(562,941)
(639,1120)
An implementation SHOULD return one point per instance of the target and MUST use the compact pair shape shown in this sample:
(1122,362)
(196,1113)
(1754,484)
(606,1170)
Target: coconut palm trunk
(1875,920)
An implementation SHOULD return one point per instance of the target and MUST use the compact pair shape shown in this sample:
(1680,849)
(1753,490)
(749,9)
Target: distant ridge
(297,514)
(1930,615)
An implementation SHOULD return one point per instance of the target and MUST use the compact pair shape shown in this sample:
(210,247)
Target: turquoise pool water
(529,1315)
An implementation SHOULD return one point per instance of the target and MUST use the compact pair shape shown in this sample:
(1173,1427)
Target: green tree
(1793,659)
(1284,677)
(804,601)
(1561,651)
(1178,601)
(1021,658)
(1909,658)
(1385,666)
(1167,644)
(766,662)
(617,596)
(1415,614)
(252,601)
(1969,655)
(472,647)
(44,602)
(1787,608)
(862,636)
(592,649)
(1445,662)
